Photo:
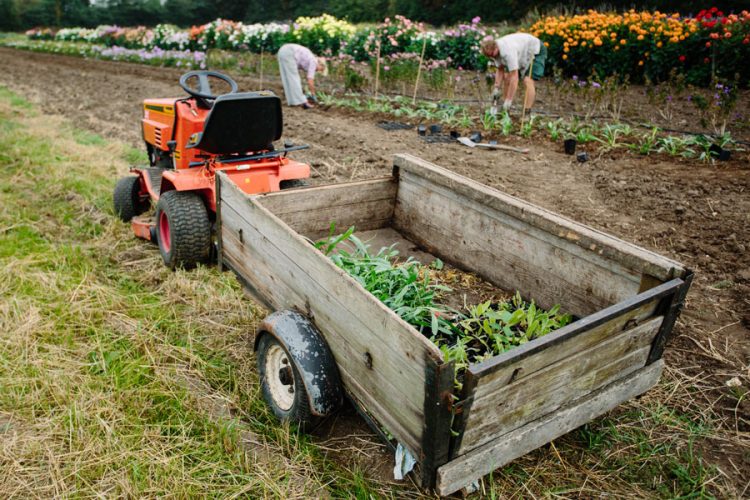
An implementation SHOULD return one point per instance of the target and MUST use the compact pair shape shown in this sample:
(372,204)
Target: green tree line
(24,14)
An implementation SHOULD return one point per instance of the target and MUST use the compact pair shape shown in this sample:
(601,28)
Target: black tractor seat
(240,123)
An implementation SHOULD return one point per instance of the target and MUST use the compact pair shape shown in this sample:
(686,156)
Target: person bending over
(517,56)
(292,58)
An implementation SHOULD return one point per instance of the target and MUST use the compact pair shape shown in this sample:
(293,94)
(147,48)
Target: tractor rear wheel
(183,229)
(127,198)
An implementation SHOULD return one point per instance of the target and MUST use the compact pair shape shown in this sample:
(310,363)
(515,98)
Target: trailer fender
(310,354)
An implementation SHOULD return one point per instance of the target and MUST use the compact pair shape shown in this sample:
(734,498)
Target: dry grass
(119,377)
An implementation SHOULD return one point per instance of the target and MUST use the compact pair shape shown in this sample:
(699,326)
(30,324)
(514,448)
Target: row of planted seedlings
(434,298)
(606,137)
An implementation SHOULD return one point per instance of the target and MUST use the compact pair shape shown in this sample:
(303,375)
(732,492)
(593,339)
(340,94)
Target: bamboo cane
(419,70)
(261,67)
(377,68)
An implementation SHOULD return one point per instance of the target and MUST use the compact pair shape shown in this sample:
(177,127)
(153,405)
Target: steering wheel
(204,86)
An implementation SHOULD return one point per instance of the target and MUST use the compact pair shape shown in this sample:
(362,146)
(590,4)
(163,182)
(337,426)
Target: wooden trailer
(625,300)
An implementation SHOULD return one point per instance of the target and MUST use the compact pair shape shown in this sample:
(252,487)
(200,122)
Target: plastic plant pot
(570,146)
(421,130)
(720,153)
(436,129)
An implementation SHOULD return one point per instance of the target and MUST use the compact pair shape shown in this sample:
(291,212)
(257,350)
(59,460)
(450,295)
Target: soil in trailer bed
(694,213)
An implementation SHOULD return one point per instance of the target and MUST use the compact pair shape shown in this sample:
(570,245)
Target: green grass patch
(120,377)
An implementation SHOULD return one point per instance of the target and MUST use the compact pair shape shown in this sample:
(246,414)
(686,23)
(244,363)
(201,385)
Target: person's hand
(506,104)
(312,99)
(496,93)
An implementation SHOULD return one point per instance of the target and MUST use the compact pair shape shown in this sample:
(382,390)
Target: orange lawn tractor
(188,139)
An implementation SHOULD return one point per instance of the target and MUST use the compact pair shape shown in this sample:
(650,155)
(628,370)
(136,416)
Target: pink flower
(386,68)
(476,20)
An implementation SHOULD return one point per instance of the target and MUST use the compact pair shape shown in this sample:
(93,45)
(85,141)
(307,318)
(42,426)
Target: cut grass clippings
(119,377)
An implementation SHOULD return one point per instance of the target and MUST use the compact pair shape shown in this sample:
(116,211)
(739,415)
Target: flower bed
(644,46)
(154,56)
(324,35)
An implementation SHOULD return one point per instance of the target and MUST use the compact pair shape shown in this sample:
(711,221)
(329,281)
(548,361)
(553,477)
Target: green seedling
(647,142)
(584,135)
(489,120)
(612,132)
(555,129)
(506,124)
(527,127)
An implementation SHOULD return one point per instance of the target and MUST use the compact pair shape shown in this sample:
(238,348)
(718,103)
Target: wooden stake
(377,68)
(419,70)
(261,67)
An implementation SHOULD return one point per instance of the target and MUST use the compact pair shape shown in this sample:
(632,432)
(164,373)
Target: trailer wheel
(183,229)
(127,198)
(292,183)
(281,383)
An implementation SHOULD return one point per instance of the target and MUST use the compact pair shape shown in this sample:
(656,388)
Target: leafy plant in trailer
(404,286)
(490,329)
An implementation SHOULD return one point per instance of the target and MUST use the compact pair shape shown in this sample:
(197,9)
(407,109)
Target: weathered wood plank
(528,366)
(630,256)
(507,251)
(366,205)
(463,470)
(364,216)
(289,288)
(497,412)
(334,195)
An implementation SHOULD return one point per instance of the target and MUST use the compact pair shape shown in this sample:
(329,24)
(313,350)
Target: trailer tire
(183,229)
(281,383)
(292,184)
(127,198)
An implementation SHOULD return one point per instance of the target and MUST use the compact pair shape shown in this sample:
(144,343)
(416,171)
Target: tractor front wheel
(183,229)
(127,198)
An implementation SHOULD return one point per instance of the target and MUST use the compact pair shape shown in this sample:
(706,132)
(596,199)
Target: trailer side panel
(382,360)
(460,472)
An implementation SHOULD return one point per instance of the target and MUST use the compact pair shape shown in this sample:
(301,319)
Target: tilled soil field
(695,213)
